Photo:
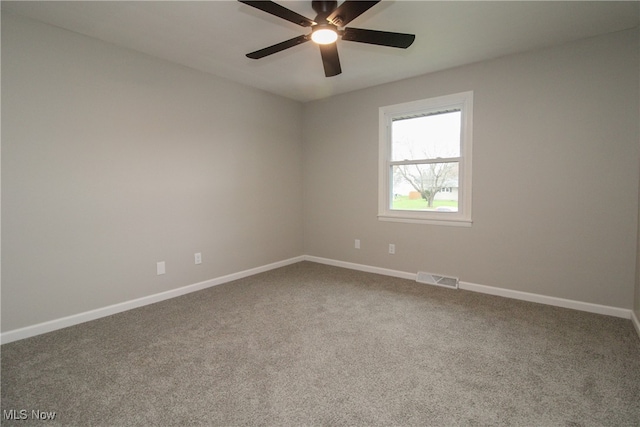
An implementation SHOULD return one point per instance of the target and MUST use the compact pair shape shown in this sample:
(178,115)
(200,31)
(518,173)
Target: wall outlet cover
(160,268)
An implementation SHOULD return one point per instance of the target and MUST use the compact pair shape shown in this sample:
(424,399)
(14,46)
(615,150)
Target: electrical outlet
(392,248)
(357,244)
(198,258)
(160,268)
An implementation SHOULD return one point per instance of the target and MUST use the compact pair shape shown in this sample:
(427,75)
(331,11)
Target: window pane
(430,187)
(426,137)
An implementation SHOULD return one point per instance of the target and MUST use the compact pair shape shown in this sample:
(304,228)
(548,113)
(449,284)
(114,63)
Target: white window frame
(462,101)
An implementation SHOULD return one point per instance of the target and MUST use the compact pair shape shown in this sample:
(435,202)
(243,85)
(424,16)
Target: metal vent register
(434,279)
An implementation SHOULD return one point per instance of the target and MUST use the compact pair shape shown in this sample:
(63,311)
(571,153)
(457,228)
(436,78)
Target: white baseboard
(544,299)
(41,328)
(636,322)
(507,293)
(361,267)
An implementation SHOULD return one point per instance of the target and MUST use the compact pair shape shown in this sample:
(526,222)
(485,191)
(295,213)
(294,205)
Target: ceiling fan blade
(277,47)
(348,11)
(382,38)
(280,11)
(330,59)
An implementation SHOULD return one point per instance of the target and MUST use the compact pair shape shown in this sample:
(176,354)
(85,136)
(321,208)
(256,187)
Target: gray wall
(112,161)
(636,305)
(555,175)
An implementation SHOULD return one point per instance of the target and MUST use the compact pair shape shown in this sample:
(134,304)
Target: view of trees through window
(425,158)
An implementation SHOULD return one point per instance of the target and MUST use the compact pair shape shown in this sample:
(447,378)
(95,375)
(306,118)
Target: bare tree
(427,179)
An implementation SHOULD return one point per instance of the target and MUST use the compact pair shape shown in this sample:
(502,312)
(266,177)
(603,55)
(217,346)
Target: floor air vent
(433,279)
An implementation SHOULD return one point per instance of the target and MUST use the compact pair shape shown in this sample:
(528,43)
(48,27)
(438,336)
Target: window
(425,161)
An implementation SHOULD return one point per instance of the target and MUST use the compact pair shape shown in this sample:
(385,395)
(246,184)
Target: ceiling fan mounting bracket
(337,21)
(323,8)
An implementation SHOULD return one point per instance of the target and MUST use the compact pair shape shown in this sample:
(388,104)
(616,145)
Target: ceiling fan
(326,28)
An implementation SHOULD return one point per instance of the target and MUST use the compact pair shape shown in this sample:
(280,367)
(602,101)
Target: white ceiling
(214,36)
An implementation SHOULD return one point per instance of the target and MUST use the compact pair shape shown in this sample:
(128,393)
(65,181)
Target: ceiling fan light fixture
(324,35)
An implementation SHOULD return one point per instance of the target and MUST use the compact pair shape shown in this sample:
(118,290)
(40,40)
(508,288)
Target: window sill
(455,222)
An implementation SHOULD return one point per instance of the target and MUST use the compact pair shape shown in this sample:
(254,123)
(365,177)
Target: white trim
(361,267)
(544,299)
(52,325)
(636,322)
(506,293)
(449,222)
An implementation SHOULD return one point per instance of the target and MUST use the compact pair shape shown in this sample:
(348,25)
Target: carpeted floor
(311,344)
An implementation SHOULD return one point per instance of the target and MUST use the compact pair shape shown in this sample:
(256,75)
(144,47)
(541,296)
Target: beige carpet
(311,345)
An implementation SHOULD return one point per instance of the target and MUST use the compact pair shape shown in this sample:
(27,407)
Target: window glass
(426,187)
(425,161)
(426,137)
